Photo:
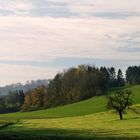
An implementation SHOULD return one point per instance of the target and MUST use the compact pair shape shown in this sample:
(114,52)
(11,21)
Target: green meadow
(88,119)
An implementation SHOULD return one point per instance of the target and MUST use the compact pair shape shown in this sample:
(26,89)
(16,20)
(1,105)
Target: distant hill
(30,85)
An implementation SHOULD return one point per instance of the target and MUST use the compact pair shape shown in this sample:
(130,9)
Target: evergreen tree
(120,79)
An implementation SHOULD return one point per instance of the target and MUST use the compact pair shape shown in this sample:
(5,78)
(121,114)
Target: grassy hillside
(98,126)
(93,105)
(86,120)
(136,92)
(90,106)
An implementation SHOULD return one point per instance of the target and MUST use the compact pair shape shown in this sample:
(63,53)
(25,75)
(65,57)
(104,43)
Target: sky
(39,38)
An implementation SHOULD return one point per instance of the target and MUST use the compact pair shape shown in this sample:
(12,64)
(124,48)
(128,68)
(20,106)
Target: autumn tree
(34,99)
(120,101)
(73,85)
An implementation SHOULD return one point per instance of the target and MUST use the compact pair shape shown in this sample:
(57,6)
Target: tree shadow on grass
(125,119)
(134,118)
(58,134)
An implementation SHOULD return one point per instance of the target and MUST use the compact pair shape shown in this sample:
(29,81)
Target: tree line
(12,102)
(72,85)
(133,75)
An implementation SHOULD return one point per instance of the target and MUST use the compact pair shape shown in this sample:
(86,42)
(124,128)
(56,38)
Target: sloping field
(85,120)
(90,106)
(98,126)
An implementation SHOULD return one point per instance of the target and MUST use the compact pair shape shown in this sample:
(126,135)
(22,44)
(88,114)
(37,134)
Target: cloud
(10,7)
(130,49)
(71,8)
(36,35)
(44,39)
(116,14)
(105,9)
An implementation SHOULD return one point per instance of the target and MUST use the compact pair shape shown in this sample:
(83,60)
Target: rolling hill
(90,106)
(86,120)
(98,126)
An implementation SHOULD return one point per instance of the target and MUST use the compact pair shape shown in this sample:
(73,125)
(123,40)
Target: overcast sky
(39,38)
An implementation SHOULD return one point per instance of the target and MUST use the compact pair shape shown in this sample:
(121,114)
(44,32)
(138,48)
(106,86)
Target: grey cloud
(52,9)
(66,62)
(5,12)
(130,42)
(129,49)
(53,12)
(64,8)
(116,15)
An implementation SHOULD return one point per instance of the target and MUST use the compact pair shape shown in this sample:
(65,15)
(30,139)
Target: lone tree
(120,101)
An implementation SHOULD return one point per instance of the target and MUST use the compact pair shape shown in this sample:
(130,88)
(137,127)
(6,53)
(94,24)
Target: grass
(104,125)
(136,92)
(85,120)
(93,105)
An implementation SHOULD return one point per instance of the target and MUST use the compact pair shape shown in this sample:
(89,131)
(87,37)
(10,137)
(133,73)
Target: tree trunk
(120,114)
